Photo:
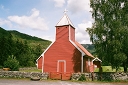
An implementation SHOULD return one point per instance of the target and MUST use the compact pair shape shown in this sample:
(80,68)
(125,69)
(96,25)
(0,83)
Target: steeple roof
(65,21)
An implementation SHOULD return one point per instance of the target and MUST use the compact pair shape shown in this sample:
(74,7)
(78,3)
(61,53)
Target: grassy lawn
(31,70)
(109,69)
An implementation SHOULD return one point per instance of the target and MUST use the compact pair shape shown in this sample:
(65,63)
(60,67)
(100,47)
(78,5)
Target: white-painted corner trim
(77,48)
(82,63)
(43,64)
(89,63)
(45,51)
(42,55)
(64,65)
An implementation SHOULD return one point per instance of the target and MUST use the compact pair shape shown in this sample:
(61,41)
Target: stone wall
(101,76)
(18,74)
(108,76)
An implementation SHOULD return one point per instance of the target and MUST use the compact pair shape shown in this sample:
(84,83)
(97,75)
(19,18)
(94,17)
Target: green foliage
(5,48)
(118,60)
(89,47)
(17,34)
(25,48)
(109,69)
(109,32)
(12,63)
(82,78)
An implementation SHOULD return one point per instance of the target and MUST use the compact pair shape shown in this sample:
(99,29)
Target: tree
(12,63)
(37,51)
(6,44)
(109,30)
(24,54)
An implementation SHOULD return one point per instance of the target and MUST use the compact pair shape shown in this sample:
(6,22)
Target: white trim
(43,64)
(77,48)
(37,64)
(82,54)
(42,55)
(69,32)
(55,33)
(92,62)
(73,42)
(82,63)
(96,59)
(64,21)
(89,62)
(64,65)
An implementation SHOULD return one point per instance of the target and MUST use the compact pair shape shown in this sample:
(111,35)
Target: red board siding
(62,33)
(55,75)
(62,50)
(85,64)
(91,67)
(66,76)
(87,67)
(72,34)
(40,63)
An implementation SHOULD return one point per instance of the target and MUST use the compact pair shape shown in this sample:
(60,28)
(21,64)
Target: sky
(39,17)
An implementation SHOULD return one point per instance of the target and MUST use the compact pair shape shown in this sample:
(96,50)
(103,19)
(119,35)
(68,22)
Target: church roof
(65,21)
(84,50)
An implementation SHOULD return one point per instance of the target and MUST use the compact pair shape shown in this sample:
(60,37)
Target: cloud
(33,21)
(81,35)
(3,22)
(51,38)
(78,5)
(59,3)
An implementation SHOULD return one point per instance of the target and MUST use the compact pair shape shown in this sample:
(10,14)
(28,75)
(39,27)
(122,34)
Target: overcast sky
(39,17)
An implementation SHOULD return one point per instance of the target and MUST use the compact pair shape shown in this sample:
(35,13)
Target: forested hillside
(24,47)
(89,47)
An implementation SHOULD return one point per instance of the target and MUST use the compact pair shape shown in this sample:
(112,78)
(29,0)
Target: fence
(105,76)
(108,76)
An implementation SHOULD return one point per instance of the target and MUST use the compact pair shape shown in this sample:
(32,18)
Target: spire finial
(65,11)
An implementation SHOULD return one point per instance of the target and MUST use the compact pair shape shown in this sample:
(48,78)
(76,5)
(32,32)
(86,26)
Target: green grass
(109,69)
(32,70)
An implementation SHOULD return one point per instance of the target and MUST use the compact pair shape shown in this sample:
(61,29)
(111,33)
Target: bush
(12,63)
(1,67)
(82,78)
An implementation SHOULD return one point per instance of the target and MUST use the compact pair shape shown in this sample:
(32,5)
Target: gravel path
(50,82)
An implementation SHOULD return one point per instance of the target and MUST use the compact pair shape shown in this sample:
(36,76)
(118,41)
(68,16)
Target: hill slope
(89,47)
(32,40)
(24,47)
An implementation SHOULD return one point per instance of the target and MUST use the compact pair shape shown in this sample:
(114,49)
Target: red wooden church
(65,54)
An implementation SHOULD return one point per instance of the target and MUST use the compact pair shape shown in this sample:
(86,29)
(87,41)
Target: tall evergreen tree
(109,30)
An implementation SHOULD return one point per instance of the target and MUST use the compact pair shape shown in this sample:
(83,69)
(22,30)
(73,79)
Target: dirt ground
(51,82)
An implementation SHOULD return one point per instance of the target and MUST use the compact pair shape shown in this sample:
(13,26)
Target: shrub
(12,63)
(1,66)
(82,77)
